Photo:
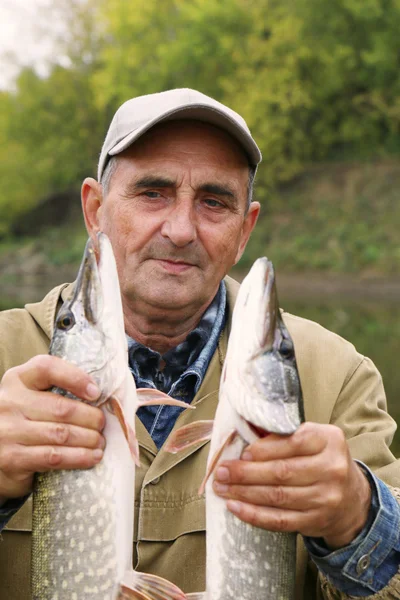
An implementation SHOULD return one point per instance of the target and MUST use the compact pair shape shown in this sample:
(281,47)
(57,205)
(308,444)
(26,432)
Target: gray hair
(108,172)
(111,167)
(250,185)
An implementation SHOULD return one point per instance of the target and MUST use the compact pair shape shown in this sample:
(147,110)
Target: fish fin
(114,406)
(151,397)
(197,596)
(188,435)
(144,586)
(214,461)
(130,595)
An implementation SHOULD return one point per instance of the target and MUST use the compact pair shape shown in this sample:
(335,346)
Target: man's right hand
(40,430)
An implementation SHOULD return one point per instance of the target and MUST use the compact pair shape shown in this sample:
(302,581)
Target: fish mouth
(270,306)
(269,319)
(88,284)
(259,431)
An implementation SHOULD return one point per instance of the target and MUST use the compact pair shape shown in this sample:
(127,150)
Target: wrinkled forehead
(183,152)
(193,138)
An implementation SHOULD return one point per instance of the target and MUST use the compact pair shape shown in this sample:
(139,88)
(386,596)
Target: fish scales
(75,549)
(251,562)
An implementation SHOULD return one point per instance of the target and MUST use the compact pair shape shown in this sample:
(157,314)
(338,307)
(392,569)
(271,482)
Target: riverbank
(19,286)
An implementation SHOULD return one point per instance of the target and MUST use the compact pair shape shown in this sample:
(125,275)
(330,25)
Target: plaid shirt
(184,370)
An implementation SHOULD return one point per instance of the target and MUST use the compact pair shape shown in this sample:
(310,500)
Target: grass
(337,218)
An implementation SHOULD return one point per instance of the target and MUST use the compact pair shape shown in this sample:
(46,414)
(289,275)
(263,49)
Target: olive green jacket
(339,386)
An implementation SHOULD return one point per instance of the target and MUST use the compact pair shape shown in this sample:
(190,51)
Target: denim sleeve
(373,558)
(9,509)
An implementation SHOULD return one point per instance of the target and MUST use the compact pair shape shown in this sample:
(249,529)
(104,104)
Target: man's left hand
(305,482)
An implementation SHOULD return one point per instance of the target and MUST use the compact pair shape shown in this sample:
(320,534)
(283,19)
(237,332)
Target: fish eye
(286,349)
(66,321)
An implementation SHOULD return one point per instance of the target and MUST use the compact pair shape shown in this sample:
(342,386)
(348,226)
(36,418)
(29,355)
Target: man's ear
(92,200)
(248,226)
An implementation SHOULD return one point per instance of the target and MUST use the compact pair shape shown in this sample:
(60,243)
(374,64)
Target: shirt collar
(190,357)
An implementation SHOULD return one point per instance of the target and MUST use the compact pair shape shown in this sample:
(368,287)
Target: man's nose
(180,225)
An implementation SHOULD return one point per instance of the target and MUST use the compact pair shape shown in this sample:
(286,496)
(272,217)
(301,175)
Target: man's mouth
(174,266)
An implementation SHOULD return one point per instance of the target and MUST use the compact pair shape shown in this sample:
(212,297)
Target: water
(374,329)
(373,326)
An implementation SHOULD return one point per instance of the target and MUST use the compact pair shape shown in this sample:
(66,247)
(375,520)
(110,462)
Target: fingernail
(102,443)
(97,454)
(220,488)
(234,506)
(92,391)
(247,455)
(222,474)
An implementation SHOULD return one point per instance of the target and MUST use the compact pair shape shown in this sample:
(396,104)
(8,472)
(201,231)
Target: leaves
(315,80)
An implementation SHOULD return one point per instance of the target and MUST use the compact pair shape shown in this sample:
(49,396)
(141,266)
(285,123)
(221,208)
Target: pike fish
(260,393)
(83,519)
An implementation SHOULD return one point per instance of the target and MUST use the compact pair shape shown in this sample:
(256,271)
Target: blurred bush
(316,80)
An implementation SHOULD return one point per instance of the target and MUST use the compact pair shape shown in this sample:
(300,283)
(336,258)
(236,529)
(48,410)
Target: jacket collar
(45,311)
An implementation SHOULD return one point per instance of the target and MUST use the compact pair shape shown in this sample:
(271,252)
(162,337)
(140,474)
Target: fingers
(306,482)
(22,392)
(44,371)
(34,433)
(313,453)
(47,406)
(309,439)
(41,430)
(26,460)
(296,498)
(298,471)
(18,464)
(284,521)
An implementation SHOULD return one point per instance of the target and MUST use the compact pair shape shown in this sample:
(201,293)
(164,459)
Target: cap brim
(204,113)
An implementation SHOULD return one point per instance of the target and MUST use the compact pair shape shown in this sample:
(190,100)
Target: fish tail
(144,586)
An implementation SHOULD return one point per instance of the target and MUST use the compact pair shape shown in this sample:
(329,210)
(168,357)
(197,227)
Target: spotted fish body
(260,392)
(83,519)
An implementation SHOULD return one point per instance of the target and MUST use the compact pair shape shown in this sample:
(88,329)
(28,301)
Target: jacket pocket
(165,508)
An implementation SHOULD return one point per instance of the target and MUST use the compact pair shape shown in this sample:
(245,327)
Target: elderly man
(174,196)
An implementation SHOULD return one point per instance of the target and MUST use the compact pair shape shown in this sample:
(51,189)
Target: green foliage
(316,81)
(374,329)
(153,46)
(46,139)
(342,218)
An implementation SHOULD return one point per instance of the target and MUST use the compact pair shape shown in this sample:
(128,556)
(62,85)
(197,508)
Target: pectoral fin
(151,397)
(114,406)
(144,586)
(188,435)
(214,461)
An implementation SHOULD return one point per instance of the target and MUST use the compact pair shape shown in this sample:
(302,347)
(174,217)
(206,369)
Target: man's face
(175,213)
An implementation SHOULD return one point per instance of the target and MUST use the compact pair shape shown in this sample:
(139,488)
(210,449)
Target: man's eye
(152,195)
(213,203)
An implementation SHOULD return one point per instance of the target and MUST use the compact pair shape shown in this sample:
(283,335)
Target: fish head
(270,396)
(79,335)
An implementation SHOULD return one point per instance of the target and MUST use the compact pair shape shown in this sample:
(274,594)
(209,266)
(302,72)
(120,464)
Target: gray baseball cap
(138,115)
